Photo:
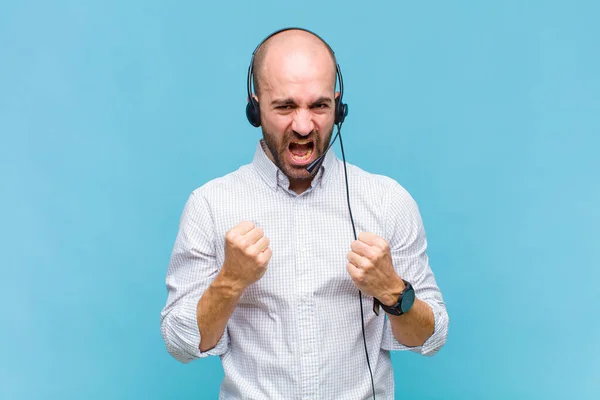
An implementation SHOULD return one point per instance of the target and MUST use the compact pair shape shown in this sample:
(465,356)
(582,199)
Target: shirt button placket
(306,310)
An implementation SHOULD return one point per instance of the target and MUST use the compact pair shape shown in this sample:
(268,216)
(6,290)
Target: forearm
(214,309)
(414,327)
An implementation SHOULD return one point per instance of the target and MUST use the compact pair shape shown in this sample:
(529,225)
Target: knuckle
(376,255)
(351,272)
(359,277)
(264,259)
(252,252)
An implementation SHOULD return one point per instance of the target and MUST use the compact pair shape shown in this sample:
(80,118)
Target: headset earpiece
(341,110)
(253,112)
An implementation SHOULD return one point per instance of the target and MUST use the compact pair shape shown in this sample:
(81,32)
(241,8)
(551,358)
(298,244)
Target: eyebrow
(289,101)
(282,102)
(322,100)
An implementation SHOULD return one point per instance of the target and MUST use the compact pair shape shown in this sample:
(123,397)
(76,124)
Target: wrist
(227,285)
(391,297)
(404,303)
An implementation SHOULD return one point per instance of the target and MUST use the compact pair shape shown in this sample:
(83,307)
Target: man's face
(297,103)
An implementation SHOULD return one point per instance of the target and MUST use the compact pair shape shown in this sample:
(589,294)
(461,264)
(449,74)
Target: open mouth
(301,151)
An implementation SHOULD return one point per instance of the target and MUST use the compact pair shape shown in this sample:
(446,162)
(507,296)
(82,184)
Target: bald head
(291,46)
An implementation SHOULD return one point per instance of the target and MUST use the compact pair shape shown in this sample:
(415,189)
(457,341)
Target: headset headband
(252,108)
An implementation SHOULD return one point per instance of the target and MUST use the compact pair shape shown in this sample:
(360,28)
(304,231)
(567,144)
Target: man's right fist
(247,254)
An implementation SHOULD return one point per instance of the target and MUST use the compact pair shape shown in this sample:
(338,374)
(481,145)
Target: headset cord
(362,315)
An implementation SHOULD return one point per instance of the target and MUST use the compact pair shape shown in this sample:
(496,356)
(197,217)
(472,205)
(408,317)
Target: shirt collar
(274,177)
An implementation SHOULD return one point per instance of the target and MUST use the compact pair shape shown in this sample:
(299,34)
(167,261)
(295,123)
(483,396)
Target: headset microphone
(313,165)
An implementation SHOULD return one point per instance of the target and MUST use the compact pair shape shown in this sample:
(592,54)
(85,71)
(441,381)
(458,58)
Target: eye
(320,106)
(284,107)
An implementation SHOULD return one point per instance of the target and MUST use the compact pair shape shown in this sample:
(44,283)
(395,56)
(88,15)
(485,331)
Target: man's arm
(378,266)
(408,248)
(370,266)
(247,254)
(192,269)
(414,327)
(202,297)
(214,310)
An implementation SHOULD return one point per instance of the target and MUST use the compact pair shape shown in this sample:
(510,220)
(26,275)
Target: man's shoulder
(226,184)
(378,183)
(385,191)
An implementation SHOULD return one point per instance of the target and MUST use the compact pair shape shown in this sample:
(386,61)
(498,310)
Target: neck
(299,186)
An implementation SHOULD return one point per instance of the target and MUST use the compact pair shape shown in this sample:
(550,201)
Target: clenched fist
(370,267)
(247,254)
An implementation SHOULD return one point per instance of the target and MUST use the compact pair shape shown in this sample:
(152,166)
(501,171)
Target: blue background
(112,112)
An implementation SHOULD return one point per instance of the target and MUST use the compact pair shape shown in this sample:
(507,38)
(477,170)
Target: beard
(279,152)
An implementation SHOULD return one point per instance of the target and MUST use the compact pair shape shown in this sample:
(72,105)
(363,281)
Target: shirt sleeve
(191,270)
(408,245)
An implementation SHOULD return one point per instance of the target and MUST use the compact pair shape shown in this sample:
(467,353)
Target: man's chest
(309,237)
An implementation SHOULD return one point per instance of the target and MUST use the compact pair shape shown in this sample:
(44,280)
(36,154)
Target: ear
(337,94)
(254,97)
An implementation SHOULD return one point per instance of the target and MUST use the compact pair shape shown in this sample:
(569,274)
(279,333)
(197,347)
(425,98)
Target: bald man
(265,271)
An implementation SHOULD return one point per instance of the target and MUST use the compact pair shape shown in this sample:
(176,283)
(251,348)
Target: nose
(303,123)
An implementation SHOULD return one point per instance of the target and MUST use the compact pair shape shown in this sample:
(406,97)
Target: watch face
(407,300)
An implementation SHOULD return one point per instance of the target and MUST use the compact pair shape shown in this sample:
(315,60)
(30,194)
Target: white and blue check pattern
(296,333)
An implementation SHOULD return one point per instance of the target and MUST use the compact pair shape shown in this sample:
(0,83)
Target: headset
(341,111)
(253,108)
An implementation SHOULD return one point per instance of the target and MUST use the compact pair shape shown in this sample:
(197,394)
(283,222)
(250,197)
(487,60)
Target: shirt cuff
(432,345)
(190,334)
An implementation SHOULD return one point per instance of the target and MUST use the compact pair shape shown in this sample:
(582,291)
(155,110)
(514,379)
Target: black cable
(362,314)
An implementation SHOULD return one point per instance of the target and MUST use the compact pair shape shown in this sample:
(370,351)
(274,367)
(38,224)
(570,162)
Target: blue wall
(112,112)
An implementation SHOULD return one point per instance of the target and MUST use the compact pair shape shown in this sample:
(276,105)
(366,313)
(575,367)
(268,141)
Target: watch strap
(396,308)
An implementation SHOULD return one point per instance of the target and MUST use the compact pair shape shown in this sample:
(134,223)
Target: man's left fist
(370,267)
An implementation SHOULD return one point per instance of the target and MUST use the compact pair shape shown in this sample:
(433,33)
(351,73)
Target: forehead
(298,64)
(297,70)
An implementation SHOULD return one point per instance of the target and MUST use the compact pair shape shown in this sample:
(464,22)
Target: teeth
(305,157)
(303,142)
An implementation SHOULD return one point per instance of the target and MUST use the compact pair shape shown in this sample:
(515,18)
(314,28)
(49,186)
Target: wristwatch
(404,303)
